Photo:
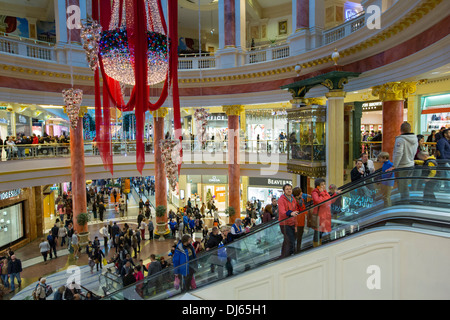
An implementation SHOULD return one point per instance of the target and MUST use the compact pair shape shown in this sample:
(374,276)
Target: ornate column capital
(160,113)
(394,91)
(234,110)
(335,94)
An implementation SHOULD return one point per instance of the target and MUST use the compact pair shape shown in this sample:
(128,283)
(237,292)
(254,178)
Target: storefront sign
(218,117)
(9,194)
(207,179)
(22,119)
(258,181)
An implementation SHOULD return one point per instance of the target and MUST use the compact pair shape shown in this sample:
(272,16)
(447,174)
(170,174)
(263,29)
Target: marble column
(160,174)
(232,34)
(79,202)
(234,169)
(393,95)
(335,137)
(300,16)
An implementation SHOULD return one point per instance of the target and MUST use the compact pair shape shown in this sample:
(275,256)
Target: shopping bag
(176,283)
(105,262)
(193,283)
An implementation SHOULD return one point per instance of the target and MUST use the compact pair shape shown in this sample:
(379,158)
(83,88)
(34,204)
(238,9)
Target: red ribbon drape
(137,45)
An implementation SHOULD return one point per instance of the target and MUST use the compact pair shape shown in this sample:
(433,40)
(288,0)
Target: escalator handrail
(355,185)
(378,173)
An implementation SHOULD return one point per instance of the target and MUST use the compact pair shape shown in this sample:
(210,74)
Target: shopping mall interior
(263,96)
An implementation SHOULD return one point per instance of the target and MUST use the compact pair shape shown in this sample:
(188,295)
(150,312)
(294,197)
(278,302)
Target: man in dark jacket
(52,242)
(153,268)
(215,238)
(14,270)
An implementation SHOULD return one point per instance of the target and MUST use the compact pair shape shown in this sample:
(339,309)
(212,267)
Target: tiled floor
(34,266)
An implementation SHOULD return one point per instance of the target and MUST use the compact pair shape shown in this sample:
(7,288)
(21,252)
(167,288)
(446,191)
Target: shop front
(435,113)
(263,128)
(265,189)
(202,188)
(20,217)
(215,188)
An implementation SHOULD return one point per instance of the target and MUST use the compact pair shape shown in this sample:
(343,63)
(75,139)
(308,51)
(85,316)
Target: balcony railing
(268,54)
(345,29)
(279,50)
(49,150)
(27,47)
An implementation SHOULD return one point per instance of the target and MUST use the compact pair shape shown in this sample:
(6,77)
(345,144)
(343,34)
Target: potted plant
(161,224)
(82,220)
(230,212)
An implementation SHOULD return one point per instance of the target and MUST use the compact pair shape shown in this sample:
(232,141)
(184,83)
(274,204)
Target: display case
(307,140)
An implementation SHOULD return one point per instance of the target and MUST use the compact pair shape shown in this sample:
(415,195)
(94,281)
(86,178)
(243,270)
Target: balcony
(42,50)
(42,164)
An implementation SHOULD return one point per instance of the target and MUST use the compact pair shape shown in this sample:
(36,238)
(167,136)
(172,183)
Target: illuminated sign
(9,194)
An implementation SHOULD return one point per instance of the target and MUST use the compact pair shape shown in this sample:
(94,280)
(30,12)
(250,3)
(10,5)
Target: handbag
(48,291)
(176,283)
(313,220)
(193,283)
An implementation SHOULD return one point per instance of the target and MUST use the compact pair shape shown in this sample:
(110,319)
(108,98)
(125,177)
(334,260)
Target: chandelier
(114,50)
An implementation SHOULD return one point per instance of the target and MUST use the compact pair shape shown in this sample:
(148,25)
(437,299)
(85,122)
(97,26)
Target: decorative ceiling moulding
(346,49)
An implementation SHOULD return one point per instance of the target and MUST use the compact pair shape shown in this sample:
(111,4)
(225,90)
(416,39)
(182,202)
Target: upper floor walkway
(35,165)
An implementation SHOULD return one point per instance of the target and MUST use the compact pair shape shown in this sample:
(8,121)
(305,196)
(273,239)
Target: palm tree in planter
(161,222)
(83,233)
(230,212)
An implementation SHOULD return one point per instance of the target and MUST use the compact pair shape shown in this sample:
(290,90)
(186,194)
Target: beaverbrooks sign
(258,181)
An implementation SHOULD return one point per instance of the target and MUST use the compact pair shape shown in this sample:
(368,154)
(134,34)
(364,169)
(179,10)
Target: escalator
(415,201)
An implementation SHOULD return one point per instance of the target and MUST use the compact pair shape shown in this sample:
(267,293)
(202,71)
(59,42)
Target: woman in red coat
(300,220)
(319,195)
(287,207)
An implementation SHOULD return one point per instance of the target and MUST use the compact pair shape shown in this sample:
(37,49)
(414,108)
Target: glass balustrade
(358,206)
(26,151)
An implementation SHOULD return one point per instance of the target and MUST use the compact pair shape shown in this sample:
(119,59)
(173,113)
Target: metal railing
(373,148)
(48,150)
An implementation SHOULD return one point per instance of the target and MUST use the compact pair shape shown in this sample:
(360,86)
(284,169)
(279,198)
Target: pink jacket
(324,211)
(285,207)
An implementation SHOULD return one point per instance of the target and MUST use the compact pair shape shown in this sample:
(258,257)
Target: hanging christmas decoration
(135,49)
(115,53)
(170,154)
(201,121)
(90,36)
(72,99)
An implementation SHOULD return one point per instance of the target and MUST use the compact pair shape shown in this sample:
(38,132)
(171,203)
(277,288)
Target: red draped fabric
(136,24)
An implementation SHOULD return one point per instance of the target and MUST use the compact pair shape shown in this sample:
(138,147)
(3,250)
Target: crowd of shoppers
(22,146)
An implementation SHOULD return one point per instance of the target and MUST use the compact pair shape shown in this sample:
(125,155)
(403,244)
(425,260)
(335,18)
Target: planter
(161,231)
(83,239)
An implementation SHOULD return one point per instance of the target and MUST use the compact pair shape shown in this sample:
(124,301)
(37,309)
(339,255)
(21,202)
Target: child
(386,186)
(427,163)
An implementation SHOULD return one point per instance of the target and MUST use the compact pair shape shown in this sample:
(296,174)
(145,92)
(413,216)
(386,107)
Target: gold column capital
(394,91)
(335,94)
(160,113)
(233,110)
